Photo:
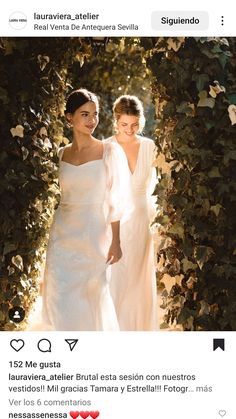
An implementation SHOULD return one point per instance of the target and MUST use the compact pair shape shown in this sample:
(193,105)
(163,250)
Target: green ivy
(33,83)
(194,86)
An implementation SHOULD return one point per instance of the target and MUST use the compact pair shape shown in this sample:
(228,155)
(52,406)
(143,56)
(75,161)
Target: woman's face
(128,125)
(85,118)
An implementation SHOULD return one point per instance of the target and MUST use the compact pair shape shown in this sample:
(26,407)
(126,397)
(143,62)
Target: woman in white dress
(133,279)
(84,236)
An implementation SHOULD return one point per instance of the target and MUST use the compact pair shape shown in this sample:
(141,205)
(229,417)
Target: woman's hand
(114,253)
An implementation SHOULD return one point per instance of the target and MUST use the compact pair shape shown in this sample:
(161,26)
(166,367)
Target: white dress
(133,278)
(76,291)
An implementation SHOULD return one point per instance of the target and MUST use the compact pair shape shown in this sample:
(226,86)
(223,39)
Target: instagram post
(117,212)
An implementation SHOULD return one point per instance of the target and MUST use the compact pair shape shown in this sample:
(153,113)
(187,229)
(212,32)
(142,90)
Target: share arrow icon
(72,343)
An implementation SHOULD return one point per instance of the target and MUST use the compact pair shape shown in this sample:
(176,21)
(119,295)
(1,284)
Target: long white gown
(133,278)
(76,292)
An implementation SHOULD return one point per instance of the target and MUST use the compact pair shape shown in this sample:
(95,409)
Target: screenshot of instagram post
(118,210)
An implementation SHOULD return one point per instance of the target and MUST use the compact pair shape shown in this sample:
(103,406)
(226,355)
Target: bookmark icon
(218,343)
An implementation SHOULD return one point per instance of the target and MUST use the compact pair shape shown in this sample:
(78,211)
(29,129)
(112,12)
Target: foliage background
(117,67)
(34,79)
(191,83)
(195,84)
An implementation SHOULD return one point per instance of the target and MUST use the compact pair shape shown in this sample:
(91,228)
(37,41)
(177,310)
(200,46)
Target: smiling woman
(133,280)
(94,179)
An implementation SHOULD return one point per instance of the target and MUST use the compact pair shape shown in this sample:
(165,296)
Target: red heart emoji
(94,415)
(84,415)
(74,415)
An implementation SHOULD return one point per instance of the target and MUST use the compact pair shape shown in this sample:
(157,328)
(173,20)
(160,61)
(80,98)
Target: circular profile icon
(18,20)
(16,314)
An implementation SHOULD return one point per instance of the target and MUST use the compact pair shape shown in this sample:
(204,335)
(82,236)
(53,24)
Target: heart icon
(84,415)
(222,413)
(94,415)
(17,344)
(74,415)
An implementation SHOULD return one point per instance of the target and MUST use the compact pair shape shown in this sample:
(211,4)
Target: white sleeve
(118,201)
(60,152)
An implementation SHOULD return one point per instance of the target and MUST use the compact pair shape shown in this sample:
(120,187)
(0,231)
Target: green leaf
(188,265)
(18,262)
(164,325)
(177,229)
(232,98)
(214,172)
(9,247)
(186,108)
(201,80)
(202,254)
(25,152)
(2,316)
(216,209)
(205,101)
(4,96)
(205,308)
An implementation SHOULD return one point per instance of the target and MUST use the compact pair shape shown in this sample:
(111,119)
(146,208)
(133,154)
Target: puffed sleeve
(118,200)
(60,152)
(152,181)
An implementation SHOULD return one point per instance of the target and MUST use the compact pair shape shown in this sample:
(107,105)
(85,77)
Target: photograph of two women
(118,184)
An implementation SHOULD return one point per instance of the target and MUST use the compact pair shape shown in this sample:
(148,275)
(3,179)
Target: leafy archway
(193,84)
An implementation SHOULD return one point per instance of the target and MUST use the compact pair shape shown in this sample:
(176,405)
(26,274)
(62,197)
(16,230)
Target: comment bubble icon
(44,345)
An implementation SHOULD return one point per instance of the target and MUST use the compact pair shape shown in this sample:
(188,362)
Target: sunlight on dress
(133,278)
(76,293)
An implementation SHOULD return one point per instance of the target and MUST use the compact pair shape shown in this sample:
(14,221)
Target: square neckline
(82,164)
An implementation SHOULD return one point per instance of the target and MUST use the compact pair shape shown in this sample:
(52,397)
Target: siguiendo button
(169,20)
